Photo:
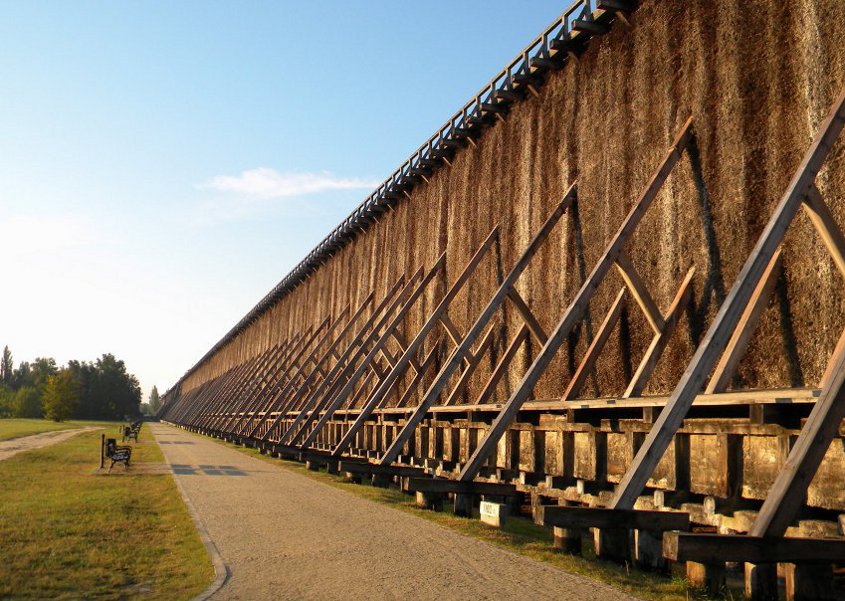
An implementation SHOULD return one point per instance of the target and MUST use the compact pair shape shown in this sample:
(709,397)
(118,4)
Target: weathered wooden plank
(819,213)
(721,548)
(600,517)
(502,365)
(474,361)
(639,291)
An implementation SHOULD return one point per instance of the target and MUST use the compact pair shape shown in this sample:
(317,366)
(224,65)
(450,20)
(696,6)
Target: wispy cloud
(265,182)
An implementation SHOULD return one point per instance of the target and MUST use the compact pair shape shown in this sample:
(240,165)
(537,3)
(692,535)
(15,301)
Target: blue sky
(163,165)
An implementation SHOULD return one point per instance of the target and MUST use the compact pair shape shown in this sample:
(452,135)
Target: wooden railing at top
(547,52)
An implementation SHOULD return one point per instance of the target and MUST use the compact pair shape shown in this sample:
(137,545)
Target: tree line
(102,389)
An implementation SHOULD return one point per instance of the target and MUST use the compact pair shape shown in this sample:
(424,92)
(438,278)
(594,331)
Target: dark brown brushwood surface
(758,76)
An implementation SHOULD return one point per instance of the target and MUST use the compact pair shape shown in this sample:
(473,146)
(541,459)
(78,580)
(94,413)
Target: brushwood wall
(757,76)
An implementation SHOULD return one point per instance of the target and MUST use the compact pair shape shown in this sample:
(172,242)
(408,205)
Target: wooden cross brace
(577,309)
(438,316)
(464,349)
(342,396)
(787,493)
(296,396)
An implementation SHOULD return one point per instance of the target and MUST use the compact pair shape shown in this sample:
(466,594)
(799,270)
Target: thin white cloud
(265,182)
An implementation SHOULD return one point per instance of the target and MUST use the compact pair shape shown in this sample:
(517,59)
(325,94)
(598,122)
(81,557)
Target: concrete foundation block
(427,500)
(709,576)
(464,504)
(612,544)
(568,540)
(809,582)
(381,480)
(648,551)
(761,581)
(493,514)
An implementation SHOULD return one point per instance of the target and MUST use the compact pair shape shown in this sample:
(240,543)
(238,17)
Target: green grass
(66,533)
(519,534)
(17,427)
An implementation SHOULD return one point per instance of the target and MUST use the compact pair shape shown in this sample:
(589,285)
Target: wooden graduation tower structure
(412,347)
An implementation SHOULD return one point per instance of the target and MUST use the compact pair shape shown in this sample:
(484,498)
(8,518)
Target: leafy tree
(155,401)
(42,369)
(23,376)
(107,390)
(7,398)
(27,402)
(7,366)
(61,395)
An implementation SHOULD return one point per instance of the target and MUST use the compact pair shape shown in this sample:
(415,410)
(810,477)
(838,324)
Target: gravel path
(286,536)
(14,446)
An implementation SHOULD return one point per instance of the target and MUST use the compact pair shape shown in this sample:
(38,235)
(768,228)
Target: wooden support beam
(817,210)
(639,291)
(474,360)
(600,517)
(436,317)
(460,353)
(501,367)
(344,393)
(735,349)
(588,363)
(340,374)
(308,340)
(245,391)
(661,339)
(528,316)
(576,310)
(427,364)
(721,548)
(723,326)
(364,331)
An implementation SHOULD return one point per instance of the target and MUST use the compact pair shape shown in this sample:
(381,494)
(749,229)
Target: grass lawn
(17,427)
(519,534)
(66,533)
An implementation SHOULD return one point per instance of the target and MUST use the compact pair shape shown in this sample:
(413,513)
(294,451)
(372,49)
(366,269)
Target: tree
(27,402)
(7,366)
(107,390)
(61,395)
(23,376)
(7,399)
(155,401)
(42,369)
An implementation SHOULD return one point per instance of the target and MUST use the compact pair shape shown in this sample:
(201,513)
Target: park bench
(808,573)
(132,431)
(117,454)
(613,530)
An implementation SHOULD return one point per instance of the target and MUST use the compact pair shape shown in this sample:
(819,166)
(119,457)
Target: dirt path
(286,536)
(12,447)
